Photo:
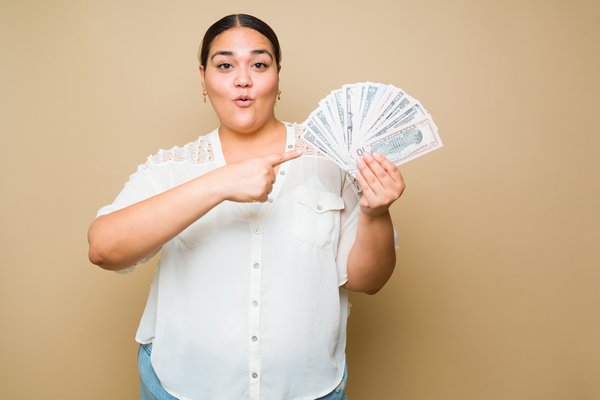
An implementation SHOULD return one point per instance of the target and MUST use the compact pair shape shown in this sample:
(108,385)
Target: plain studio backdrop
(495,293)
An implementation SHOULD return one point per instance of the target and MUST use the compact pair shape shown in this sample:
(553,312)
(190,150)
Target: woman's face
(242,80)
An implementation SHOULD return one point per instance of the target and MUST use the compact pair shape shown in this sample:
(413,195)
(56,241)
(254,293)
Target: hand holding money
(381,183)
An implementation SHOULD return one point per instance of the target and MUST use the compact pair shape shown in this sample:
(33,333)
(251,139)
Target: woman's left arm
(373,256)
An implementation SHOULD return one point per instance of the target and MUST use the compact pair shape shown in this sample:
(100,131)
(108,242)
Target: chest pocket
(199,232)
(316,216)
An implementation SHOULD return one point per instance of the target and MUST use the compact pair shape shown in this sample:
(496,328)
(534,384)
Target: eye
(224,66)
(260,65)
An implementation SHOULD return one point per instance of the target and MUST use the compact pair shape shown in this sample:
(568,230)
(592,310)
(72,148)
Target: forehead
(239,40)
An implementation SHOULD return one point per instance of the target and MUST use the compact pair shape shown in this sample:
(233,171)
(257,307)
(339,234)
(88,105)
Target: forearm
(122,238)
(373,257)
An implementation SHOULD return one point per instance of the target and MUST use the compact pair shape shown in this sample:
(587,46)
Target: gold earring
(204,93)
(279,95)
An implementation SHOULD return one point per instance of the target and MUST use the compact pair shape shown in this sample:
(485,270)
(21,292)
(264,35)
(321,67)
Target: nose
(243,79)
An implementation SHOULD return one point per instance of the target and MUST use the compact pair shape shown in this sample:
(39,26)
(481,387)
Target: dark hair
(235,20)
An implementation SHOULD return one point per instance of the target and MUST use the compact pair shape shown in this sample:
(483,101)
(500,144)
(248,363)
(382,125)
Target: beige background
(495,294)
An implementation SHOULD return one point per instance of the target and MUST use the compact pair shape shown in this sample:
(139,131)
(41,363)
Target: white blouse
(246,302)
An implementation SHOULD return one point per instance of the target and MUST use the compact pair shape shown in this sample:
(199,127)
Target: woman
(260,242)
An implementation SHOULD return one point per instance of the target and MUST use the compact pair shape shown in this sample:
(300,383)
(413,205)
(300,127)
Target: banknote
(405,143)
(370,117)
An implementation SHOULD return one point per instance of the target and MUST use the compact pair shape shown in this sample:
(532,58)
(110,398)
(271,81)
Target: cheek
(215,89)
(215,83)
(270,84)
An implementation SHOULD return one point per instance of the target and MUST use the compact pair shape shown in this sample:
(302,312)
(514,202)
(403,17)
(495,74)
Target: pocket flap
(319,202)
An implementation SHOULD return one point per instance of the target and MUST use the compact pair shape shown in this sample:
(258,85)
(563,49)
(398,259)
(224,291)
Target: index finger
(277,159)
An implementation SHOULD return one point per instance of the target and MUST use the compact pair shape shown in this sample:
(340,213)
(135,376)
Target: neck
(240,146)
(269,129)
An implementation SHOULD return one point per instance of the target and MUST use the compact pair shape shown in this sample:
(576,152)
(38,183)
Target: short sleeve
(348,225)
(141,185)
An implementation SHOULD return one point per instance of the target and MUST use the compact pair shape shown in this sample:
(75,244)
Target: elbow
(369,288)
(372,291)
(107,258)
(106,255)
(97,252)
(96,257)
(371,282)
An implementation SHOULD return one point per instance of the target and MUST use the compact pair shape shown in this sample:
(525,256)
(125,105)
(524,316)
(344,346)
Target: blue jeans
(151,389)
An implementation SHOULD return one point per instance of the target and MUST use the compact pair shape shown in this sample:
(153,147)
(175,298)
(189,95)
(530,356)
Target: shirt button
(254,303)
(281,172)
(290,146)
(256,265)
(319,208)
(254,338)
(254,375)
(256,230)
(270,200)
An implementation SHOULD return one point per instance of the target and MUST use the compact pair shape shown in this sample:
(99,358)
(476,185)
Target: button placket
(256,224)
(256,234)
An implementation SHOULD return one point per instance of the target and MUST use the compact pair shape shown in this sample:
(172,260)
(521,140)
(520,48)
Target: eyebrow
(230,53)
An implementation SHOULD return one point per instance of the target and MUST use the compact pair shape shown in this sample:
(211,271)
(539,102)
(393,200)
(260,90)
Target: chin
(249,124)
(243,126)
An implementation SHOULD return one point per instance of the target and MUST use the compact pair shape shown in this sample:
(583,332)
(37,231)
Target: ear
(201,68)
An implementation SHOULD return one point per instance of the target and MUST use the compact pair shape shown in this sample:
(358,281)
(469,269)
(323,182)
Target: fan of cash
(370,117)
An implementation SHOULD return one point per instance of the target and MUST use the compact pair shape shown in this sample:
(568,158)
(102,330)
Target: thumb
(276,159)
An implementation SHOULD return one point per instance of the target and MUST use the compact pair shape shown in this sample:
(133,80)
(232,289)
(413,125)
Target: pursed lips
(243,101)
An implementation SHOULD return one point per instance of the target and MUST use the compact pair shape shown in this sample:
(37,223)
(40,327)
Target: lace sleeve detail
(196,152)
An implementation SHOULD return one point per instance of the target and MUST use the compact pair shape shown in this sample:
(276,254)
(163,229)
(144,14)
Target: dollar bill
(315,135)
(405,143)
(371,117)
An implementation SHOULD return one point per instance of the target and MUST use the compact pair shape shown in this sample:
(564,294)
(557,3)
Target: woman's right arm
(122,238)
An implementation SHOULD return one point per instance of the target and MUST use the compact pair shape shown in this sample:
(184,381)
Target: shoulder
(198,152)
